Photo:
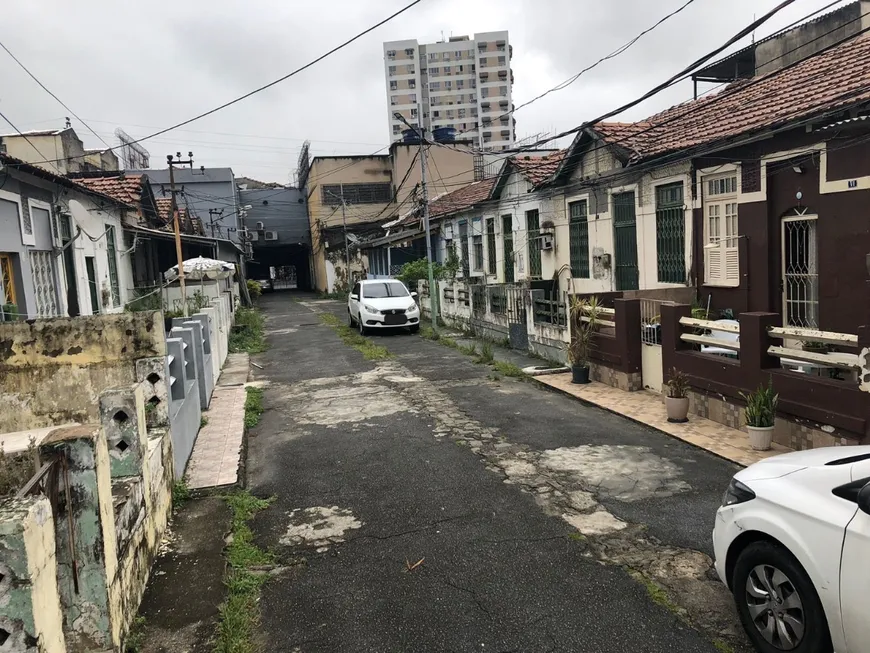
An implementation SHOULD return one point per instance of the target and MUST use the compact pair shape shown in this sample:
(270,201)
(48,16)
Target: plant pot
(579,374)
(760,437)
(678,409)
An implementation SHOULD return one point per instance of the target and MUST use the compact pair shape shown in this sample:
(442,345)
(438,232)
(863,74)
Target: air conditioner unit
(259,226)
(547,241)
(271,235)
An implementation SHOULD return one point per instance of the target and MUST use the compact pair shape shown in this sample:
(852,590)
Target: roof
(185,175)
(462,198)
(37,171)
(127,189)
(35,132)
(817,86)
(164,210)
(538,170)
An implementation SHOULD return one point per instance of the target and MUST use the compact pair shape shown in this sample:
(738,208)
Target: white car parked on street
(382,303)
(792,542)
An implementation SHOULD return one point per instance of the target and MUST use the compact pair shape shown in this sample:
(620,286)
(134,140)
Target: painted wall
(53,370)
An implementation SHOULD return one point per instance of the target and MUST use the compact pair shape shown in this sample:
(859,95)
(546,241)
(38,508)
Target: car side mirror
(354,297)
(414,295)
(864,499)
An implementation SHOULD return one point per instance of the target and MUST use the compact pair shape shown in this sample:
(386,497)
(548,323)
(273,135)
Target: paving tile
(648,408)
(217,452)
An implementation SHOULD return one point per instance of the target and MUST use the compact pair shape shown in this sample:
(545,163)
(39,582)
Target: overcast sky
(144,66)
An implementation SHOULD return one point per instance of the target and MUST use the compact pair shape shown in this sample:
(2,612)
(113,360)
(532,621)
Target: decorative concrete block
(201,357)
(153,373)
(122,414)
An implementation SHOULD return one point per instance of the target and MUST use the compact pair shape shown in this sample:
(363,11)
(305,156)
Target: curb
(585,402)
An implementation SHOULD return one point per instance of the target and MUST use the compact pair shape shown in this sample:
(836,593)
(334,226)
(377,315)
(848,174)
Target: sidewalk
(643,407)
(217,454)
(647,408)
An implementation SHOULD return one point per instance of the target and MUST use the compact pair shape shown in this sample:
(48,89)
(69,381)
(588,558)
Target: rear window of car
(379,290)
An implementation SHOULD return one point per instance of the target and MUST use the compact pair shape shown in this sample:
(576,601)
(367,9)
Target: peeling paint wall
(52,371)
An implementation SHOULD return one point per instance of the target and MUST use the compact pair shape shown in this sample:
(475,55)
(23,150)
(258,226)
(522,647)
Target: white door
(651,347)
(855,583)
(800,272)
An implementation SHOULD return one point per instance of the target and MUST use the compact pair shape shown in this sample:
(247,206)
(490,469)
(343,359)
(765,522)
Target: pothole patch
(319,527)
(599,522)
(622,472)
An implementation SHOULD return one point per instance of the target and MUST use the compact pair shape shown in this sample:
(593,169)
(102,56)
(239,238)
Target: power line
(45,88)
(23,135)
(265,86)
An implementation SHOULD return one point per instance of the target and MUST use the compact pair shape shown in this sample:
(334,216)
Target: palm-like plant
(585,315)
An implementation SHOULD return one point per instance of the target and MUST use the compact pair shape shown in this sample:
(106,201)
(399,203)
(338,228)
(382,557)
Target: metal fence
(650,321)
(551,311)
(478,299)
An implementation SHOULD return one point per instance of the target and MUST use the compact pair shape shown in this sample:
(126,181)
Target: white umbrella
(200,268)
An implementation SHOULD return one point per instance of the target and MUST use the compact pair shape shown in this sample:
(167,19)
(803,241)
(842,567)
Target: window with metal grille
(7,280)
(477,247)
(533,228)
(111,253)
(626,273)
(463,245)
(507,235)
(490,245)
(579,236)
(671,233)
(357,193)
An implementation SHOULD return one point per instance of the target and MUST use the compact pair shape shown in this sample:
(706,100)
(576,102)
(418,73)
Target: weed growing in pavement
(248,333)
(722,647)
(430,334)
(468,350)
(655,591)
(203,421)
(448,342)
(509,369)
(494,377)
(180,494)
(338,296)
(136,637)
(253,406)
(487,357)
(577,537)
(240,613)
(352,338)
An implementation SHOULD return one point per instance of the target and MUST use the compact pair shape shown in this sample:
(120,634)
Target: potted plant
(581,338)
(760,416)
(816,347)
(677,400)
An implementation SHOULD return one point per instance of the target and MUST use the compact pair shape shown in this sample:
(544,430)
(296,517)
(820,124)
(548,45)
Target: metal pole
(427,233)
(176,226)
(346,247)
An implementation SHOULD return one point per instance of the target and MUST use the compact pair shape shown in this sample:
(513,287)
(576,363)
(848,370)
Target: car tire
(350,321)
(362,329)
(763,566)
(414,328)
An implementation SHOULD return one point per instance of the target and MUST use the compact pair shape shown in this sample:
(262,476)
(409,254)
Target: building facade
(60,151)
(462,83)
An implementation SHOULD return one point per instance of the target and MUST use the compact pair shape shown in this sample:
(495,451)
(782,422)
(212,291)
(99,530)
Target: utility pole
(212,220)
(344,225)
(433,291)
(174,161)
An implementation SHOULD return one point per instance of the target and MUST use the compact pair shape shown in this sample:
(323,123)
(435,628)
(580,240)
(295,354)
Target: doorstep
(647,408)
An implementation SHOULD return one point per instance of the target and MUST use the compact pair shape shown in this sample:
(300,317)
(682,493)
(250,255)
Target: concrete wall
(52,371)
(282,211)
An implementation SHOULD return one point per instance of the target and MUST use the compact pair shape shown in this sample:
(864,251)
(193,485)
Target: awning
(398,237)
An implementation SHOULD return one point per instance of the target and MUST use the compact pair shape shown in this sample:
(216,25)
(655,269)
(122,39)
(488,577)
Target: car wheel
(362,330)
(414,328)
(350,321)
(777,603)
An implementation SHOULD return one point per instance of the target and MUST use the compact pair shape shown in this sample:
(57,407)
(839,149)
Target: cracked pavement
(530,511)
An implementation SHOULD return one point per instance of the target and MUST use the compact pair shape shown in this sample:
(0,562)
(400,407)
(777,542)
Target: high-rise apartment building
(461,83)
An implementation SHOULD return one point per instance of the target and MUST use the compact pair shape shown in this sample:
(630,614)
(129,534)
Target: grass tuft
(722,647)
(430,334)
(248,333)
(253,406)
(487,357)
(240,613)
(136,636)
(468,350)
(352,338)
(509,369)
(180,494)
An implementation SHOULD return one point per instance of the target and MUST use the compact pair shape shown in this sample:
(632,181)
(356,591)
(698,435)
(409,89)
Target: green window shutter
(490,245)
(533,228)
(507,232)
(671,233)
(579,237)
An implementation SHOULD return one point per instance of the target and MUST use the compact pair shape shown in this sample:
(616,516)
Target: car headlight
(370,309)
(411,307)
(736,493)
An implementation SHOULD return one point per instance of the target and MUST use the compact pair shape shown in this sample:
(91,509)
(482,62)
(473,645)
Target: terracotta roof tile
(122,188)
(462,198)
(538,170)
(824,82)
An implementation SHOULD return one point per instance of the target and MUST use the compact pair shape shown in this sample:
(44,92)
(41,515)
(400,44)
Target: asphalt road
(522,513)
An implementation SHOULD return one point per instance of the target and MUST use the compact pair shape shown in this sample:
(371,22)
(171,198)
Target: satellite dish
(79,212)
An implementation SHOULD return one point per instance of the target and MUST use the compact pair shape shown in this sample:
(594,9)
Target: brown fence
(617,342)
(804,398)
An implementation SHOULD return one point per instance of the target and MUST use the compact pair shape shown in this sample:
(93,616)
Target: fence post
(87,557)
(628,333)
(754,341)
(671,314)
(153,374)
(864,358)
(122,413)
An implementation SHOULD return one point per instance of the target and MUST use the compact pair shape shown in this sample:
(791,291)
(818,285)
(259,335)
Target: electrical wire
(265,86)
(23,135)
(45,88)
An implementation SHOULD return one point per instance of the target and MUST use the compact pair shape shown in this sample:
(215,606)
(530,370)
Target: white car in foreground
(382,303)
(792,542)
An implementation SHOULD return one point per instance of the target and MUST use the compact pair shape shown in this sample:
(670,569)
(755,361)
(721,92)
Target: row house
(62,250)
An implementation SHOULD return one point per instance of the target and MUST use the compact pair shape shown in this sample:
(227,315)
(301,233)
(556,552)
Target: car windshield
(379,290)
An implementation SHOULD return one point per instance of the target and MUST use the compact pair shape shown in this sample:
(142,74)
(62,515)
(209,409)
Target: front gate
(625,239)
(651,344)
(518,329)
